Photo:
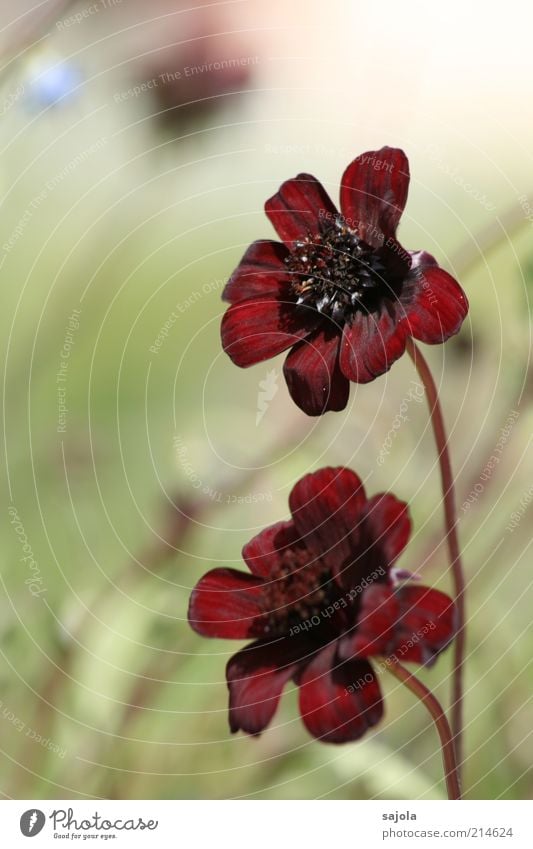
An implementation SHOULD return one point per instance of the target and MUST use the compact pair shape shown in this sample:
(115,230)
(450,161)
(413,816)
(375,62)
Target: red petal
(326,507)
(225,603)
(256,677)
(300,209)
(411,623)
(388,525)
(370,345)
(424,609)
(339,702)
(260,272)
(434,302)
(255,330)
(374,192)
(263,553)
(311,370)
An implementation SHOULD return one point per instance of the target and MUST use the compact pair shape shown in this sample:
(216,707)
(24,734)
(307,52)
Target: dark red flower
(320,600)
(340,290)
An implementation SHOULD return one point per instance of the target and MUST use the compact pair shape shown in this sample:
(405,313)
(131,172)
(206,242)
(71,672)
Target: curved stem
(451,772)
(452,540)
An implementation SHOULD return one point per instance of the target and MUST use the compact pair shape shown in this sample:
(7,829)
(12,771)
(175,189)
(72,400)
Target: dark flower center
(339,274)
(299,589)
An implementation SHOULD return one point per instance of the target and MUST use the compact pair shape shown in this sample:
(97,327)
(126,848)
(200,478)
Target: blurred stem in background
(491,237)
(179,520)
(451,771)
(448,492)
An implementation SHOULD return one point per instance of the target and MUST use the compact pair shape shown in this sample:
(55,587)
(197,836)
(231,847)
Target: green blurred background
(123,213)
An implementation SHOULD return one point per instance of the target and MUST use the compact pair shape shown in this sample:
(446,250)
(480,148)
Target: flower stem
(451,772)
(452,540)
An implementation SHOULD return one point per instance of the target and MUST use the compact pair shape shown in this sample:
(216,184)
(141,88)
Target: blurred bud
(190,81)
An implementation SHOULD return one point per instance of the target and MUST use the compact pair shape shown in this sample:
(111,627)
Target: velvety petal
(339,701)
(374,191)
(256,677)
(300,209)
(312,372)
(255,330)
(432,616)
(412,623)
(387,523)
(225,603)
(260,272)
(263,553)
(327,507)
(434,303)
(371,344)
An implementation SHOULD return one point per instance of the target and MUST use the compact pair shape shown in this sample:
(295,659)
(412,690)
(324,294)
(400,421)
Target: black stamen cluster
(338,274)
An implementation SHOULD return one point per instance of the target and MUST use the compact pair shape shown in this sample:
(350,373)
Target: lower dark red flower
(339,290)
(320,600)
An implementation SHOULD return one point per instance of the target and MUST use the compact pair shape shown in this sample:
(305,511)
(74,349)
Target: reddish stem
(451,772)
(452,540)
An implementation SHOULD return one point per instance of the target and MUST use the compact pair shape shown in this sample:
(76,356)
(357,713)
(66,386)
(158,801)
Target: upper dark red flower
(339,290)
(321,599)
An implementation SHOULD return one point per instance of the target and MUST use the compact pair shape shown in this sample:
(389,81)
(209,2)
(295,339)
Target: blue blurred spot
(54,84)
